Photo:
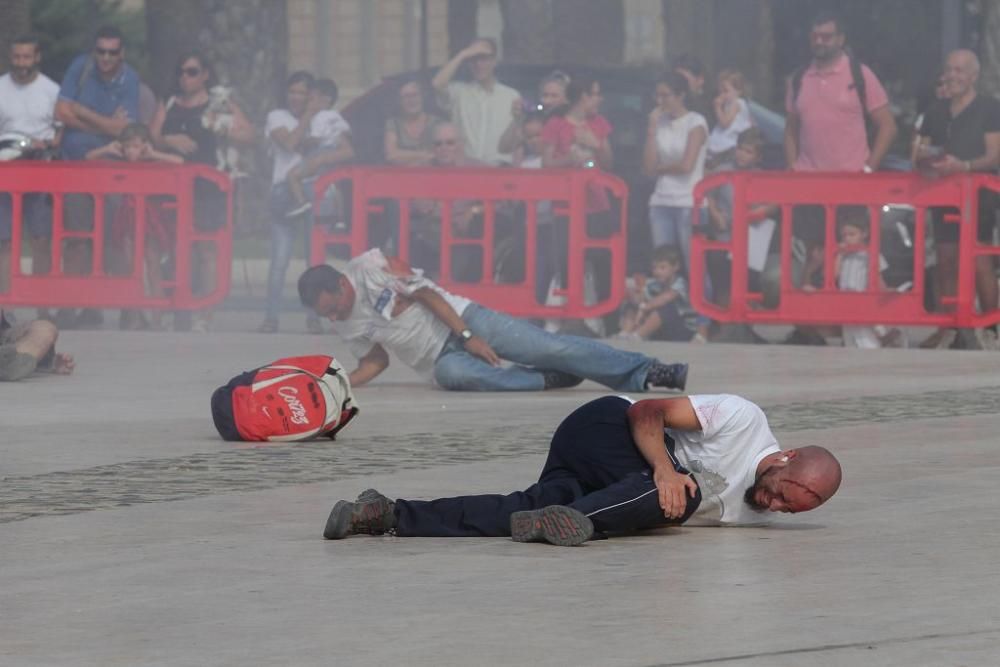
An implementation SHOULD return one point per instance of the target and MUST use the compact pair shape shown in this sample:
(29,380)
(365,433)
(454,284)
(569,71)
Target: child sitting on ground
(658,305)
(135,144)
(328,144)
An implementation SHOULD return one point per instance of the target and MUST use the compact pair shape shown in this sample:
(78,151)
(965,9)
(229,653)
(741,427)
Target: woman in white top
(287,130)
(733,115)
(675,156)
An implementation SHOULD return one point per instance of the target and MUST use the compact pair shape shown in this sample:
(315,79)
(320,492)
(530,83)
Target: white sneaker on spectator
(987,339)
(202,323)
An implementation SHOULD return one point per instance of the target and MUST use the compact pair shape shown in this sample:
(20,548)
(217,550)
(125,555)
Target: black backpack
(857,77)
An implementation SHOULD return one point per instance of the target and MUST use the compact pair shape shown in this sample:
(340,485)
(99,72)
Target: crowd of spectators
(838,119)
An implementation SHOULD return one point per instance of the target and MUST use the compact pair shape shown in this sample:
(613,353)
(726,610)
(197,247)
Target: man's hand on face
(480,348)
(673,488)
(478,48)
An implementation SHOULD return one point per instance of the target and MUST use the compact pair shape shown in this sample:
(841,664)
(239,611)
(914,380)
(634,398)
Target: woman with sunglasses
(179,127)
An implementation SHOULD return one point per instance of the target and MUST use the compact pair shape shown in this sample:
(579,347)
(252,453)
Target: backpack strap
(797,83)
(858,76)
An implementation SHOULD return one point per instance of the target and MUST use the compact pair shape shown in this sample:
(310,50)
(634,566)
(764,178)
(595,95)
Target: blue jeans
(533,350)
(283,232)
(672,224)
(36,216)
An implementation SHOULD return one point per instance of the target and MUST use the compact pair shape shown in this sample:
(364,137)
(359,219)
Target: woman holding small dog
(186,125)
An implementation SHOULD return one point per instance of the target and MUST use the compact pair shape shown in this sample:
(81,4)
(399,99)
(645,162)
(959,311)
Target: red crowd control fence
(492,235)
(88,229)
(804,211)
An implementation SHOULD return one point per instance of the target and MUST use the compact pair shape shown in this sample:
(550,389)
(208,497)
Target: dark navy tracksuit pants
(593,466)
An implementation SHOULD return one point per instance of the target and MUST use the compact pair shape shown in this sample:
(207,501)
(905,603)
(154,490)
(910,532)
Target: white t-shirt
(723,139)
(29,109)
(853,276)
(327,127)
(482,115)
(723,457)
(284,160)
(671,140)
(415,335)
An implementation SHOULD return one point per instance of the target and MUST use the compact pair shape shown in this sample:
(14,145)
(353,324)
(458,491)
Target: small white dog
(218,118)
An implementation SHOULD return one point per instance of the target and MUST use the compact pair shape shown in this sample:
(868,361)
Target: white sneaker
(987,339)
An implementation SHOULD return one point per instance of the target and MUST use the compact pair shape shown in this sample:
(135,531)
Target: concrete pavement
(129,534)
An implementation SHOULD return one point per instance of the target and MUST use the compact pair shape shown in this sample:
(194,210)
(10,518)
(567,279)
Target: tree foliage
(66,29)
(15,19)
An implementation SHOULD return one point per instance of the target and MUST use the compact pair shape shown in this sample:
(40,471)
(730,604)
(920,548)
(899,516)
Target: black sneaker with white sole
(669,376)
(556,524)
(560,380)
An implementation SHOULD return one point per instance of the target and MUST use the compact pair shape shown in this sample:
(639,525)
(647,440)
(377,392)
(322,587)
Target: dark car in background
(628,99)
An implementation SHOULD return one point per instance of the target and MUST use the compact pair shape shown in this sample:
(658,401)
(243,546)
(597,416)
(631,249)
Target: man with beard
(830,104)
(27,107)
(616,466)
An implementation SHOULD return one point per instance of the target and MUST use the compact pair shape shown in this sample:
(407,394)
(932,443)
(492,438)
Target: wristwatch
(466,334)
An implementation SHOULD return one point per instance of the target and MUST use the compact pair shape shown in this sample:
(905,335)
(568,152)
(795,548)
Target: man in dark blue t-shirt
(99,96)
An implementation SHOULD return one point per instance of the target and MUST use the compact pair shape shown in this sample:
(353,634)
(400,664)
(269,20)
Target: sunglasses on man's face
(445,142)
(108,52)
(191,72)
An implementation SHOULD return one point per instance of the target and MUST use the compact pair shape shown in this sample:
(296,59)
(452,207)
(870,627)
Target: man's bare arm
(370,366)
(647,420)
(441,309)
(791,140)
(77,116)
(885,132)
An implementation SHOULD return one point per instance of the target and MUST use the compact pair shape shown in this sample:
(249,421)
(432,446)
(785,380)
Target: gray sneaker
(366,517)
(555,524)
(15,365)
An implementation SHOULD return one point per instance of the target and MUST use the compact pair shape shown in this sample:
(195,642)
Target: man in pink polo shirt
(825,129)
(829,104)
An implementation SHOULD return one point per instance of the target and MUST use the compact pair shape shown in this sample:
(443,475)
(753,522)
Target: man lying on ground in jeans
(380,305)
(26,348)
(616,466)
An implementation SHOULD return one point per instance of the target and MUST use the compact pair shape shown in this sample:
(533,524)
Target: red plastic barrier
(828,304)
(373,188)
(166,189)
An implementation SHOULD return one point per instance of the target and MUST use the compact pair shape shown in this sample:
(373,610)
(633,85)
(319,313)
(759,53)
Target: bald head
(796,480)
(965,59)
(817,469)
(961,72)
(447,143)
